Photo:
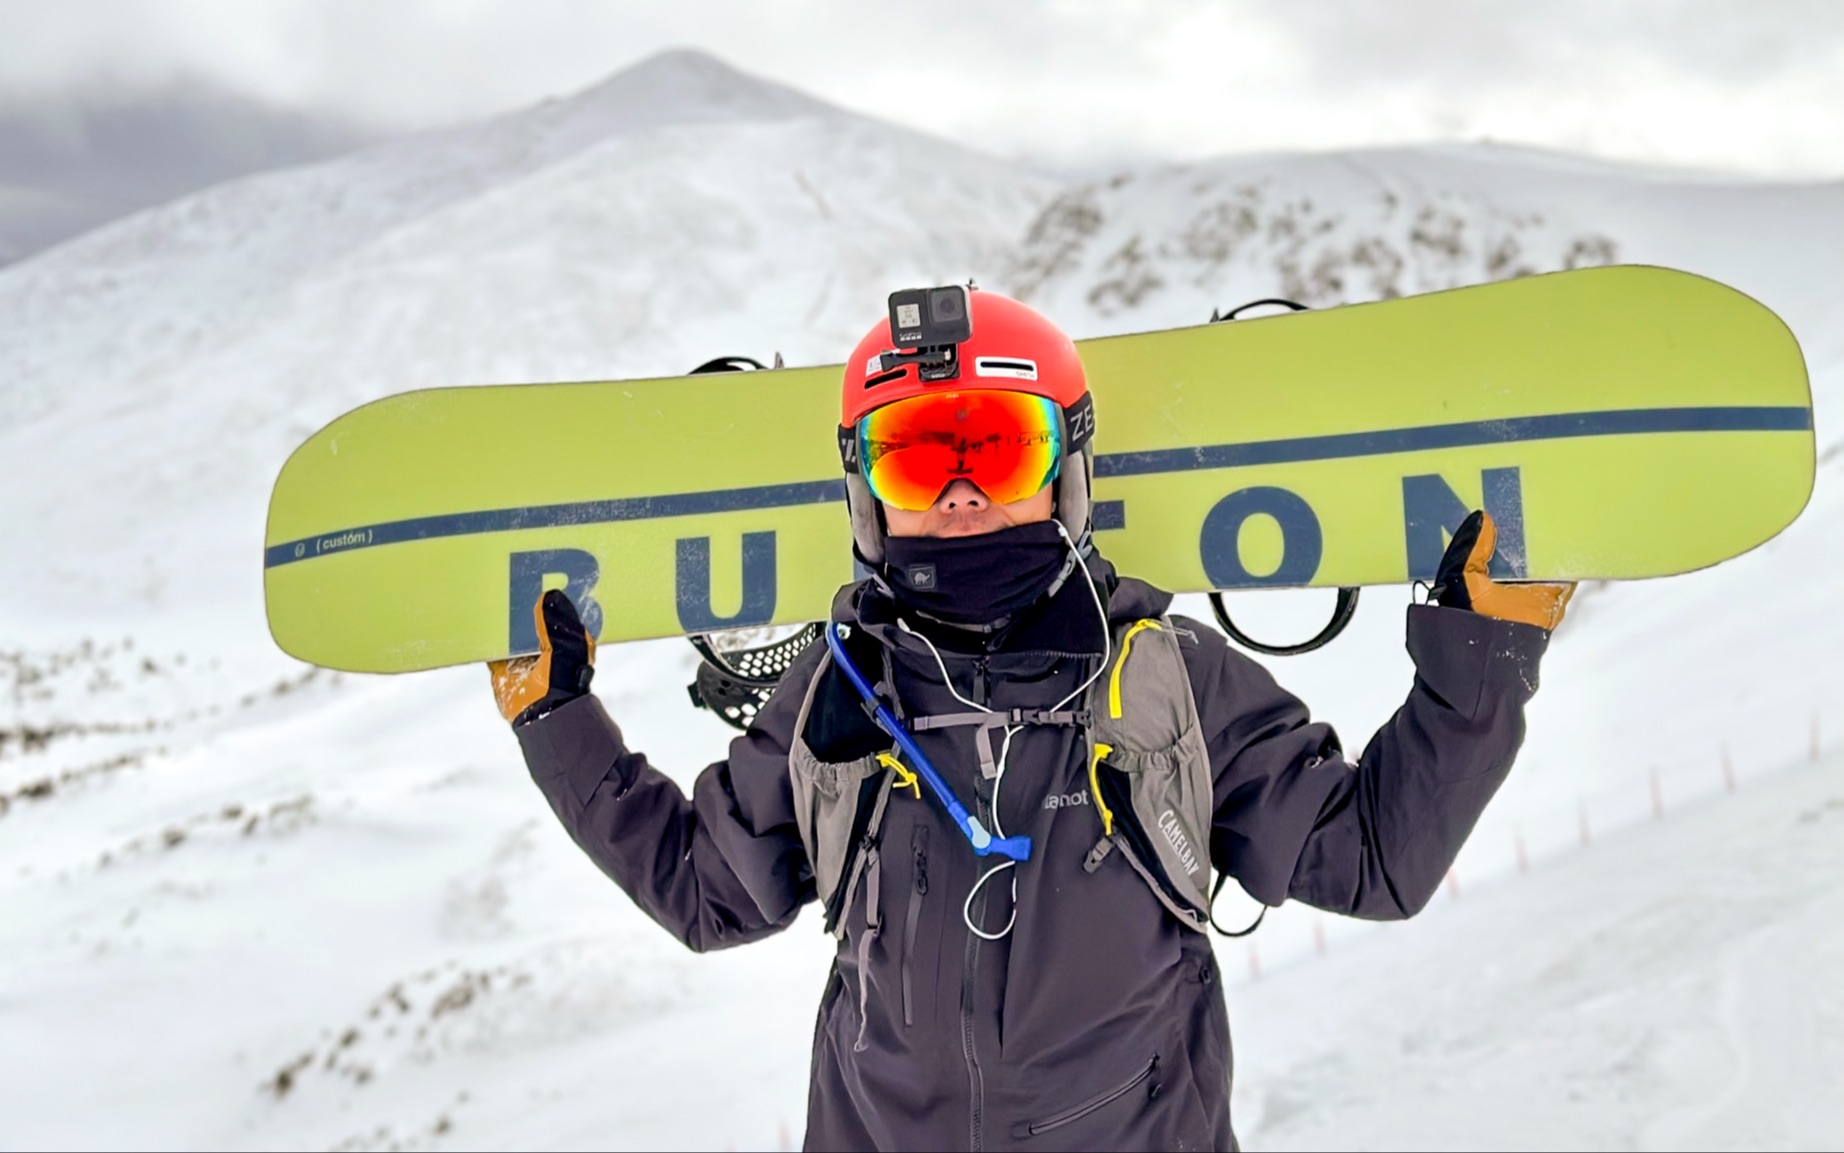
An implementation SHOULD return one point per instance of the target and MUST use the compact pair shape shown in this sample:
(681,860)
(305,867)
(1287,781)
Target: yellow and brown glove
(1463,583)
(529,687)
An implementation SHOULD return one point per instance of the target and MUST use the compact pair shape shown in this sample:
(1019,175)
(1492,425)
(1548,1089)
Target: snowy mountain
(679,208)
(1147,249)
(250,903)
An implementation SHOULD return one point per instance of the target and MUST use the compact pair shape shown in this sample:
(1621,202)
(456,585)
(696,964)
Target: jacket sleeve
(1294,818)
(722,868)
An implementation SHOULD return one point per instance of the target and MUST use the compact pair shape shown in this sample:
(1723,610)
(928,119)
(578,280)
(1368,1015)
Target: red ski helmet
(1012,347)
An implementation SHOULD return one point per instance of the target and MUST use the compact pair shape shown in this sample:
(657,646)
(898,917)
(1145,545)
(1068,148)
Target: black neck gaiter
(975,580)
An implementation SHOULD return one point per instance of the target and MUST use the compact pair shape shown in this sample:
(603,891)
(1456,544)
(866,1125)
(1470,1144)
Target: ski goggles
(1010,444)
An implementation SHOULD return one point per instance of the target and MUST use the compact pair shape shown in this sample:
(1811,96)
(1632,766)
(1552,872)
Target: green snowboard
(1617,422)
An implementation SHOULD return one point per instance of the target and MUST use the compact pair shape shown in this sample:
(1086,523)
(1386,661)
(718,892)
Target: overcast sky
(107,105)
(1755,85)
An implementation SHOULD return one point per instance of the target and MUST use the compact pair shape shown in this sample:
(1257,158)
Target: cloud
(1352,44)
(1714,83)
(72,160)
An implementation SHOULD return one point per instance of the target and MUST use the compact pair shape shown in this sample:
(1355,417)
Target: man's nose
(962,494)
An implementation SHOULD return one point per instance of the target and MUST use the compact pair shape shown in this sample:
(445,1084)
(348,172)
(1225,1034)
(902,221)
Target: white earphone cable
(1005,747)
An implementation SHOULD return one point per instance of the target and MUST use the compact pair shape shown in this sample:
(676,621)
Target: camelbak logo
(1065,800)
(1175,837)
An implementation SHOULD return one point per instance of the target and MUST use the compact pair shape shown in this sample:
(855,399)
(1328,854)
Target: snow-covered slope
(337,928)
(94,316)
(1159,248)
(156,372)
(1671,988)
(250,903)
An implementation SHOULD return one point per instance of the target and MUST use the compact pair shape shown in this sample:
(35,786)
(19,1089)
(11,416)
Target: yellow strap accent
(1102,749)
(904,778)
(1094,788)
(1126,643)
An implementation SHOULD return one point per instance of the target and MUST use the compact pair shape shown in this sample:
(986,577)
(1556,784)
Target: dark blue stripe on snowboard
(1559,426)
(557,515)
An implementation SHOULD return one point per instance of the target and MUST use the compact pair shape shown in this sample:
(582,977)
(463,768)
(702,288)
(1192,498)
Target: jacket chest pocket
(912,923)
(837,807)
(1167,814)
(1150,769)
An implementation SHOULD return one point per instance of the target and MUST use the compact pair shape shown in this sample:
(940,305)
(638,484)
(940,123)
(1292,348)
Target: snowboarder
(1008,773)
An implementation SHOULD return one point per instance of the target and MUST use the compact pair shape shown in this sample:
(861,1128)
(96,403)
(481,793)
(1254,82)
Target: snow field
(418,948)
(1670,987)
(361,957)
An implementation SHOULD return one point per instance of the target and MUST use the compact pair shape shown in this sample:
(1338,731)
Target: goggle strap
(848,448)
(1079,423)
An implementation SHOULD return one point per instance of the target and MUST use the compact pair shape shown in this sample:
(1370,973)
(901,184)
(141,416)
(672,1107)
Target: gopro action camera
(929,324)
(930,317)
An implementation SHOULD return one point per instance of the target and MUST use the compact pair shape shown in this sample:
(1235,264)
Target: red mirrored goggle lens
(1007,443)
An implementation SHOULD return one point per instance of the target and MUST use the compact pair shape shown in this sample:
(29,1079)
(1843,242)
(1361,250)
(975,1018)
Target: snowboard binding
(736,683)
(734,364)
(1346,606)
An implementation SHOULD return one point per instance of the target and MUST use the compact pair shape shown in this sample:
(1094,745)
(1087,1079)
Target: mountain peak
(683,86)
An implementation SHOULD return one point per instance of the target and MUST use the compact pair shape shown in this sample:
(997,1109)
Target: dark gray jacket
(1099,1023)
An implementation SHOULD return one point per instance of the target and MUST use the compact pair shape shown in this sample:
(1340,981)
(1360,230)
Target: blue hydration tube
(984,843)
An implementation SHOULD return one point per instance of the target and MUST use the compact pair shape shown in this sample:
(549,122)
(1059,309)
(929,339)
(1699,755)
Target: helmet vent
(1014,368)
(887,377)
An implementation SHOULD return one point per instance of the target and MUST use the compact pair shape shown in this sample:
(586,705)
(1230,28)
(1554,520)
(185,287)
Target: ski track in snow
(252,904)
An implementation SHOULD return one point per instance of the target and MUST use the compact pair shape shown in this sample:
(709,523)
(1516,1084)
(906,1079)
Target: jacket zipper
(976,1090)
(918,860)
(1073,1115)
(970,959)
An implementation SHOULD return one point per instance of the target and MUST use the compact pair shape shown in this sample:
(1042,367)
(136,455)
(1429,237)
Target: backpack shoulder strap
(1149,768)
(839,810)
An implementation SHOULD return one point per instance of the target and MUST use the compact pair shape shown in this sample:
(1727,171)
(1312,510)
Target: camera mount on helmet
(929,324)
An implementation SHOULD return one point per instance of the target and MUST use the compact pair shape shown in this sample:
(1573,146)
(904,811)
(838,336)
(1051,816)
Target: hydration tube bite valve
(984,843)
